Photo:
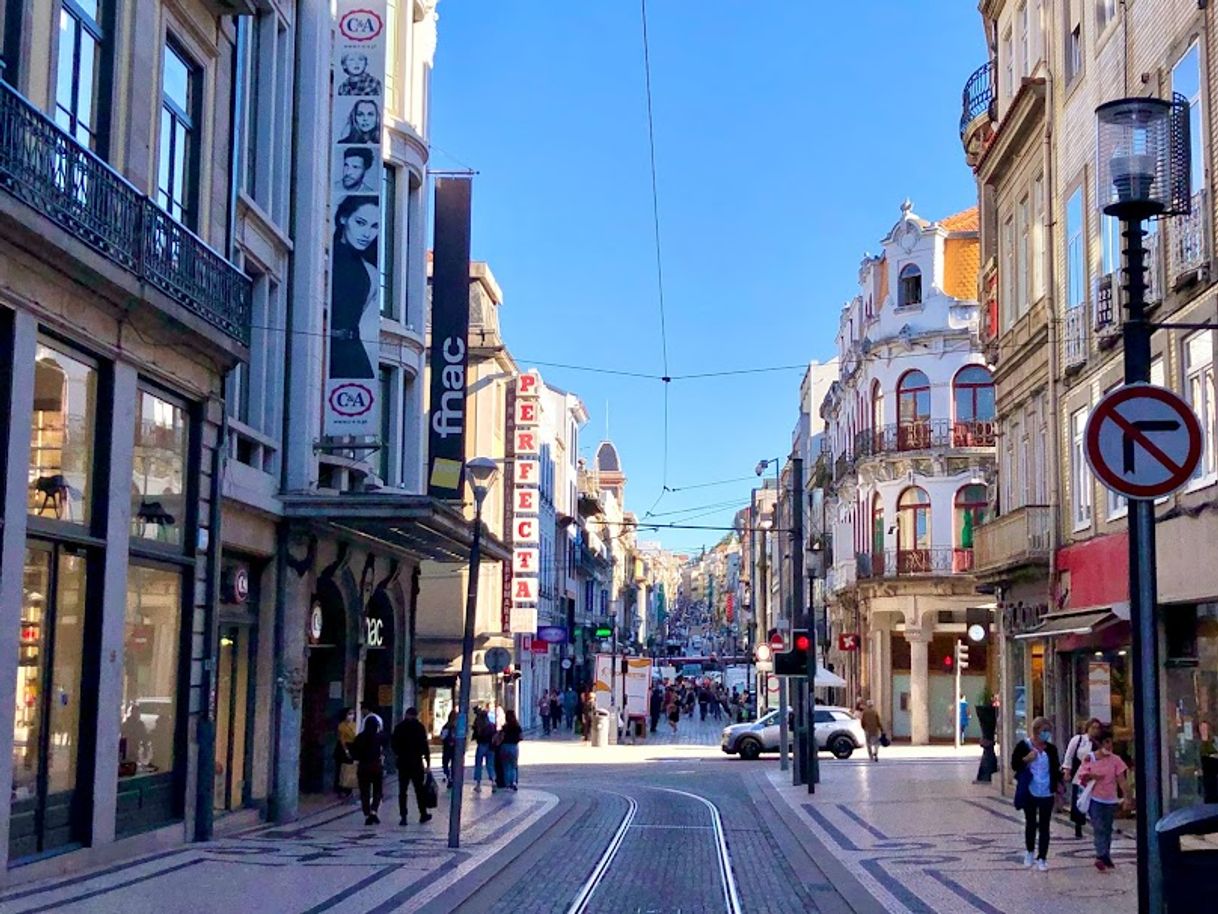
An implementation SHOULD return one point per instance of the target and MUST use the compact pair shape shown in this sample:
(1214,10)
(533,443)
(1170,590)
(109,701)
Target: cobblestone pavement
(327,862)
(923,838)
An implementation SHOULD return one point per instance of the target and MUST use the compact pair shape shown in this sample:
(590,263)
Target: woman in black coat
(369,752)
(1038,776)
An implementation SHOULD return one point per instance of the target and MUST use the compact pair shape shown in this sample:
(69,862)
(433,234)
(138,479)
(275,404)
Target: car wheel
(750,749)
(842,747)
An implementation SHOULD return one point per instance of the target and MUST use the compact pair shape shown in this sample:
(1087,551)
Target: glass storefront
(148,793)
(1102,689)
(61,436)
(1191,696)
(46,729)
(159,470)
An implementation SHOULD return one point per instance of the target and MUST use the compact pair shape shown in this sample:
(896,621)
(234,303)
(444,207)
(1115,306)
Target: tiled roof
(961,266)
(966,221)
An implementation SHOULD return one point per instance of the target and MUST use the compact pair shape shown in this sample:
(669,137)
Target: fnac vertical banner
(356,167)
(449,337)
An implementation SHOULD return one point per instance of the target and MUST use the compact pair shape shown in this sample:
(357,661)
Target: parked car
(837,731)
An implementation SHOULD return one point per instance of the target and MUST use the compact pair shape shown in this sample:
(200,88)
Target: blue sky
(787,134)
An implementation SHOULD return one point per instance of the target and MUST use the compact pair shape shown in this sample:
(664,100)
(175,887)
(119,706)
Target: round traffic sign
(1142,441)
(497,659)
(778,642)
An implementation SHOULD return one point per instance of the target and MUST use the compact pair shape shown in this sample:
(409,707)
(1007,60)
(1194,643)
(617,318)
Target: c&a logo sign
(351,399)
(360,25)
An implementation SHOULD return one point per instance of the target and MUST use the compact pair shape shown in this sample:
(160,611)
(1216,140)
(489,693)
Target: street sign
(552,634)
(847,642)
(1142,441)
(778,642)
(497,659)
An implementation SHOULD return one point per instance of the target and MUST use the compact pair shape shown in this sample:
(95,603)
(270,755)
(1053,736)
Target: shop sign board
(351,404)
(1143,441)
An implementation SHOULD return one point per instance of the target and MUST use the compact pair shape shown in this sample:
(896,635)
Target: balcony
(1076,336)
(903,563)
(841,576)
(1189,243)
(977,114)
(1020,537)
(922,435)
(63,181)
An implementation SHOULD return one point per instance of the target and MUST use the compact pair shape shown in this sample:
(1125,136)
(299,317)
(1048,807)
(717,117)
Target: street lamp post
(481,472)
(1142,174)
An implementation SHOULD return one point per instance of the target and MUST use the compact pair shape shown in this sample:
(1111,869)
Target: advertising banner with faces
(356,164)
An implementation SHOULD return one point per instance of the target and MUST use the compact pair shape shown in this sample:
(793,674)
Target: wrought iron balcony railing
(1076,336)
(924,434)
(978,95)
(937,560)
(1189,239)
(49,171)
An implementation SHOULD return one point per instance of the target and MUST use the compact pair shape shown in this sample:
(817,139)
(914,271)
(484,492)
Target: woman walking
(511,735)
(1038,775)
(343,784)
(1078,751)
(1105,771)
(674,710)
(543,711)
(369,753)
(448,746)
(555,711)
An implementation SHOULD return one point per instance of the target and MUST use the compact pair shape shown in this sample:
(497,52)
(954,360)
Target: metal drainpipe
(205,787)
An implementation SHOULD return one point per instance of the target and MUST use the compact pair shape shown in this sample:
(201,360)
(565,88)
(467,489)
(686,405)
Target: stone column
(919,686)
(292,611)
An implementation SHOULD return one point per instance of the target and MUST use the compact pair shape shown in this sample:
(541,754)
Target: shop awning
(415,525)
(1069,623)
(828,680)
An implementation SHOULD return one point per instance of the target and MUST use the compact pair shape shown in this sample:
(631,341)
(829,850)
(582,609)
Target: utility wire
(655,193)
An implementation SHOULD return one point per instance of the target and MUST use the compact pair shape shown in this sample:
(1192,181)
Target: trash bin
(600,728)
(1188,874)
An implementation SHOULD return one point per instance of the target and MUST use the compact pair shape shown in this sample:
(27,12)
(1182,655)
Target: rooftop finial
(906,206)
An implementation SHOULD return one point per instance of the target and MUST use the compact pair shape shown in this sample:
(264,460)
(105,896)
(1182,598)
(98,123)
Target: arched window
(913,411)
(877,531)
(877,414)
(973,404)
(972,505)
(913,531)
(909,286)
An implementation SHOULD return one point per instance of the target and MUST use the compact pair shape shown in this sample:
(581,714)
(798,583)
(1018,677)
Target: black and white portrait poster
(356,170)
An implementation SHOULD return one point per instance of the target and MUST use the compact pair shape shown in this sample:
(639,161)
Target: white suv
(837,731)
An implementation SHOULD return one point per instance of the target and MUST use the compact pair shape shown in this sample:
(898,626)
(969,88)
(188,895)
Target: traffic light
(795,661)
(961,655)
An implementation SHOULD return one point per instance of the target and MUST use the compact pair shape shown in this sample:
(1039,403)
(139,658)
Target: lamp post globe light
(1142,172)
(480,473)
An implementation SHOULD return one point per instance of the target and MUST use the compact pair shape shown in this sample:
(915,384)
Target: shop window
(62,435)
(158,503)
(1191,692)
(147,753)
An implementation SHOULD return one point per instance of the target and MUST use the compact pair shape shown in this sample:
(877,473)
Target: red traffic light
(802,642)
(947,662)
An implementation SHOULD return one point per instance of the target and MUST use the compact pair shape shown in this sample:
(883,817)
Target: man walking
(413,752)
(543,711)
(873,729)
(569,702)
(964,716)
(656,706)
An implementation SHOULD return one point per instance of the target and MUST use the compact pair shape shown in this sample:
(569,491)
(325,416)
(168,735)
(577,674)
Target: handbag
(884,740)
(1023,788)
(431,792)
(1083,803)
(347,778)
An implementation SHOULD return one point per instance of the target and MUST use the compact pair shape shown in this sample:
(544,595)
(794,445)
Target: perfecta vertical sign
(449,354)
(525,500)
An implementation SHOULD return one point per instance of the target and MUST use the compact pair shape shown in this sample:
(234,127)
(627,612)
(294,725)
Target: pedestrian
(555,711)
(589,713)
(484,753)
(543,711)
(509,749)
(1038,775)
(703,701)
(412,750)
(963,718)
(570,701)
(344,782)
(1105,772)
(448,746)
(369,752)
(656,706)
(873,728)
(717,703)
(674,711)
(1079,749)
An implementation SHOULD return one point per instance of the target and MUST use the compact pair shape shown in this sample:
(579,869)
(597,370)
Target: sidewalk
(923,838)
(327,861)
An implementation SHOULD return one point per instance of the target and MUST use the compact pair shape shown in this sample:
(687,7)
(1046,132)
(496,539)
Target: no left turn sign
(1142,441)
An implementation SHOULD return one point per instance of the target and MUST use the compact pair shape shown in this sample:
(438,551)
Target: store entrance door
(232,715)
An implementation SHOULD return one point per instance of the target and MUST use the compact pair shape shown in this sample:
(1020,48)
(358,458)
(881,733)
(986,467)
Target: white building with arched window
(911,428)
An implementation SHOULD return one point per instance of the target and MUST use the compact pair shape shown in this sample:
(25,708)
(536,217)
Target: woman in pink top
(1106,770)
